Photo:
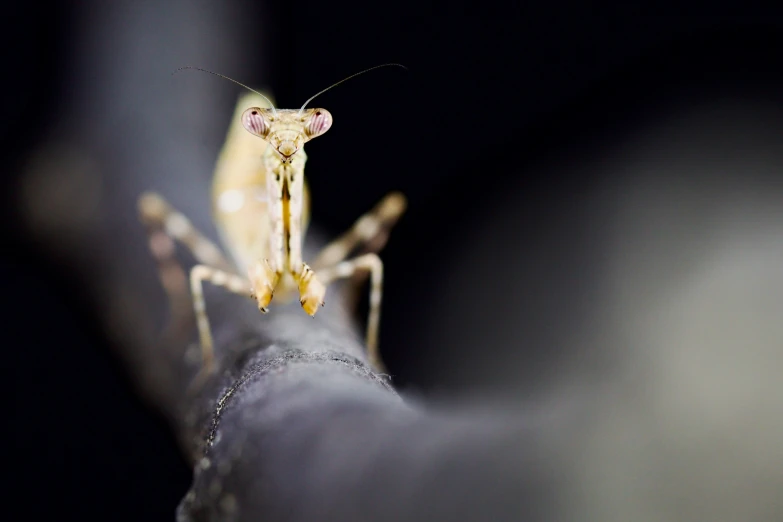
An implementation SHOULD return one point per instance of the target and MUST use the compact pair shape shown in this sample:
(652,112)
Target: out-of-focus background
(595,211)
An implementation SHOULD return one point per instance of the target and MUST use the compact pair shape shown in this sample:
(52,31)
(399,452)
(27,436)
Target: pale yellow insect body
(240,198)
(260,197)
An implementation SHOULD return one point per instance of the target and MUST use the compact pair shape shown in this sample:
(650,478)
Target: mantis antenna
(240,84)
(346,79)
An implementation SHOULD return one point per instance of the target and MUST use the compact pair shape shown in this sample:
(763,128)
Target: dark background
(498,110)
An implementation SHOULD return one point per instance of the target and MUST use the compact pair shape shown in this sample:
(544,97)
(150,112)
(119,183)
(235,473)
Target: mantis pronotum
(261,207)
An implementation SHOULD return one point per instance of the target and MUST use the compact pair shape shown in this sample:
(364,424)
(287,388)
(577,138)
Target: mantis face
(286,130)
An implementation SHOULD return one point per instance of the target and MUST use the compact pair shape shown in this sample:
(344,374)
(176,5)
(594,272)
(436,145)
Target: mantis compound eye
(318,122)
(254,120)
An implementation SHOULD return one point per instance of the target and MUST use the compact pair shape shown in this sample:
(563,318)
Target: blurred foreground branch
(299,429)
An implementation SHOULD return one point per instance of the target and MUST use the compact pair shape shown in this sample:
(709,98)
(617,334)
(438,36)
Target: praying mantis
(261,206)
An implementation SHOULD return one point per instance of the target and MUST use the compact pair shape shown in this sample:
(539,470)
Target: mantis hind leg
(165,225)
(172,277)
(158,214)
(371,230)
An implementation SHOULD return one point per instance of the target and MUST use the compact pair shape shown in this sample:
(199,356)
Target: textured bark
(297,428)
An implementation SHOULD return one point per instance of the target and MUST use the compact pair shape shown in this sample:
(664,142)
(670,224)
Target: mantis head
(286,130)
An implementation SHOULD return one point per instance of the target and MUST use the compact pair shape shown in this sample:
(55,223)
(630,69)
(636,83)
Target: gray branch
(299,429)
